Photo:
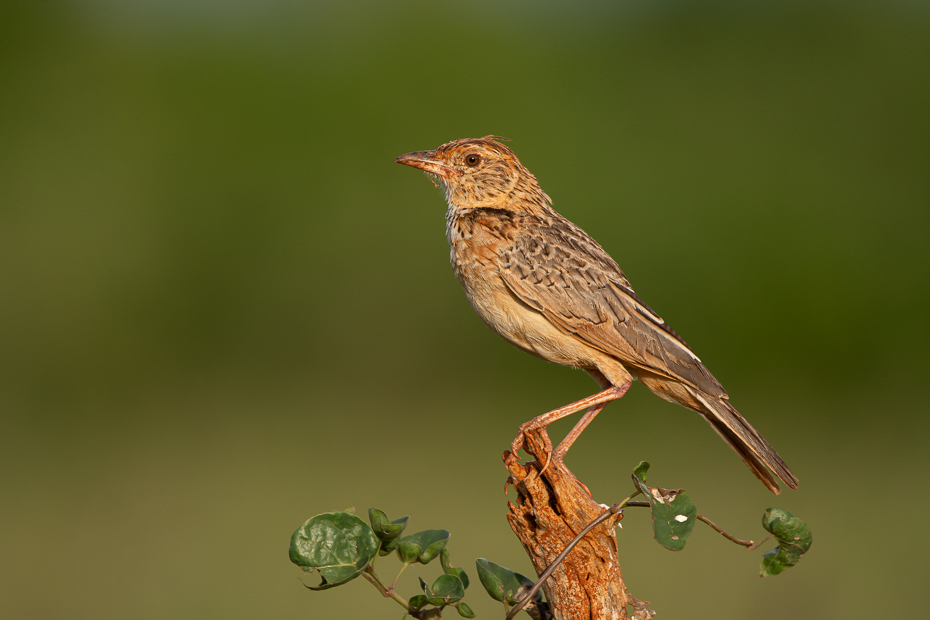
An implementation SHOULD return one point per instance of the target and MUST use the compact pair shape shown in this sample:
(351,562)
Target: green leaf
(422,547)
(383,528)
(418,601)
(673,514)
(502,583)
(444,560)
(445,590)
(465,611)
(794,539)
(462,575)
(640,471)
(337,544)
(388,546)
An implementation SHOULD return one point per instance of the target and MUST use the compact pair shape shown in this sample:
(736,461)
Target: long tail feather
(745,441)
(729,424)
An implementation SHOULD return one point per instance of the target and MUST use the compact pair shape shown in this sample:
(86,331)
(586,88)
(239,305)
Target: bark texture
(550,510)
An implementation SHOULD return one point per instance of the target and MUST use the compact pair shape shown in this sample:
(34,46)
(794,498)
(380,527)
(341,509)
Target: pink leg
(583,423)
(596,401)
(559,453)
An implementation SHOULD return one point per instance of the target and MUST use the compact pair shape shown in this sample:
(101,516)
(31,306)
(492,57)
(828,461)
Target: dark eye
(472,160)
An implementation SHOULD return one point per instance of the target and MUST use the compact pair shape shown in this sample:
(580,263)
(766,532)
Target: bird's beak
(426,160)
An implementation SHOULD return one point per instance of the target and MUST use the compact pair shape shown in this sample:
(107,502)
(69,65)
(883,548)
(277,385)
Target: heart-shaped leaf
(794,539)
(337,544)
(673,514)
(502,583)
(445,590)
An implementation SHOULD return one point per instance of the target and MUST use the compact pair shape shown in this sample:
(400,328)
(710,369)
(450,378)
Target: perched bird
(548,288)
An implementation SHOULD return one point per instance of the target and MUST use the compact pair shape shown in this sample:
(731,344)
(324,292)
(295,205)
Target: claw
(509,458)
(517,443)
(547,464)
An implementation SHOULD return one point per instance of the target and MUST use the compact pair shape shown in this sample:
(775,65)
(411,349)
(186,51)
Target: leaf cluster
(339,547)
(673,518)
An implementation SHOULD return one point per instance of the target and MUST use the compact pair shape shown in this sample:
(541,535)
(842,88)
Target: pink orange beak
(426,160)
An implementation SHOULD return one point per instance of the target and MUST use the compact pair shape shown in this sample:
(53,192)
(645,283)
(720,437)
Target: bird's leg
(559,453)
(544,420)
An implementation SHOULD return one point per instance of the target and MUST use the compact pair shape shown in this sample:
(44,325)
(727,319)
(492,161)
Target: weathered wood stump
(550,511)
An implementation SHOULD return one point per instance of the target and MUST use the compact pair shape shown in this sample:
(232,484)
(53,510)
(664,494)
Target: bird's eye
(472,160)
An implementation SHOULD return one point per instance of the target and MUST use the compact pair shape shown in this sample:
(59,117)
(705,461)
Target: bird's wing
(557,269)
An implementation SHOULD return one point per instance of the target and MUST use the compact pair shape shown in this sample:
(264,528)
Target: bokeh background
(224,309)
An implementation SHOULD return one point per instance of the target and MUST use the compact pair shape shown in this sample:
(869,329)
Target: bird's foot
(557,456)
(520,442)
(510,457)
(551,456)
(559,453)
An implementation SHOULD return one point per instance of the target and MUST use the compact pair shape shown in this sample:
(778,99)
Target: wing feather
(555,268)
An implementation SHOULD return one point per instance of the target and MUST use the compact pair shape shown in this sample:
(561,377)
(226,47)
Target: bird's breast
(475,257)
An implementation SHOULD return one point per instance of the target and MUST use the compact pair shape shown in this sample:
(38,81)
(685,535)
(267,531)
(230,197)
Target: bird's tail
(745,441)
(729,424)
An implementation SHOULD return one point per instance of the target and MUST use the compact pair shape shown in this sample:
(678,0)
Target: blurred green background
(225,309)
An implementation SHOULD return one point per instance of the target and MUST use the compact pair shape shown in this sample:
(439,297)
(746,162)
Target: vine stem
(759,544)
(558,559)
(369,574)
(746,543)
(399,573)
(422,614)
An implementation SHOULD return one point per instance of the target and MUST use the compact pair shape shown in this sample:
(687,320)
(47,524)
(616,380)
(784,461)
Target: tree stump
(549,513)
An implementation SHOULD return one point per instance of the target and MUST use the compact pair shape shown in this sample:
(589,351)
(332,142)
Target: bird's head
(479,173)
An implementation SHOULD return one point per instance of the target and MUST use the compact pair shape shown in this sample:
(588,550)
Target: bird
(548,288)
